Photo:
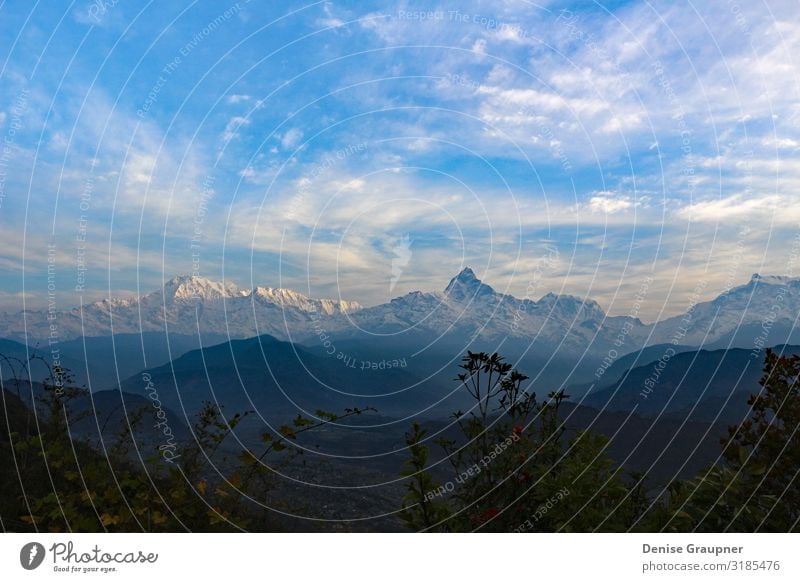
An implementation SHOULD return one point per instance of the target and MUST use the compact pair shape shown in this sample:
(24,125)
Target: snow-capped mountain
(467,286)
(184,305)
(468,308)
(292,299)
(185,288)
(759,313)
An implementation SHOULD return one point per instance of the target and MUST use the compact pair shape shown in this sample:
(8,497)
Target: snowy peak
(569,306)
(466,286)
(281,296)
(772,279)
(289,298)
(190,287)
(758,288)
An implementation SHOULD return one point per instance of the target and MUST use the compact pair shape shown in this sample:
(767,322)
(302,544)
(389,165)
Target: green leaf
(743,455)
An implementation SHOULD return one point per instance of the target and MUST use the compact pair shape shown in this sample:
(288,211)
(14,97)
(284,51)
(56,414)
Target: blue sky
(297,145)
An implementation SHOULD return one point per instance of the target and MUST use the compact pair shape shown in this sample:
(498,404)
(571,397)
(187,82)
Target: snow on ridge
(773,279)
(287,297)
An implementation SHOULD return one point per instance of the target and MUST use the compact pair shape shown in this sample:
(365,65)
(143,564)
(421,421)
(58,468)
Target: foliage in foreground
(512,466)
(58,482)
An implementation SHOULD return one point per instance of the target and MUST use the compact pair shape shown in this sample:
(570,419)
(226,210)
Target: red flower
(486,515)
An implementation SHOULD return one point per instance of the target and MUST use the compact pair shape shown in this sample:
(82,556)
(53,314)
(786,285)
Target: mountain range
(468,311)
(185,305)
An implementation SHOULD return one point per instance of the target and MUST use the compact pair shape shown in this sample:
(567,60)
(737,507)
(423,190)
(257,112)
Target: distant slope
(636,359)
(713,383)
(101,417)
(117,357)
(665,448)
(25,362)
(438,360)
(278,378)
(609,371)
(100,362)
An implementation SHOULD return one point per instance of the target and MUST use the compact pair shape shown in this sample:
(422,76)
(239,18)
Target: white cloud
(329,20)
(479,46)
(233,126)
(609,203)
(291,138)
(781,143)
(139,169)
(739,207)
(235,99)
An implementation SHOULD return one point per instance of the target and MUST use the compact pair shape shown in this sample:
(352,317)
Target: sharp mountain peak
(466,285)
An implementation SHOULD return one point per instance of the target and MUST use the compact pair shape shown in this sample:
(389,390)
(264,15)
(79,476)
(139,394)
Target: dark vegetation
(517,466)
(513,461)
(55,482)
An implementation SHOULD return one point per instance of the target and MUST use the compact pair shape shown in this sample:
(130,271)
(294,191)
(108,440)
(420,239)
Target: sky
(638,153)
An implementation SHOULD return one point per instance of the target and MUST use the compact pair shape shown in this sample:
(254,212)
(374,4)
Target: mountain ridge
(178,307)
(467,308)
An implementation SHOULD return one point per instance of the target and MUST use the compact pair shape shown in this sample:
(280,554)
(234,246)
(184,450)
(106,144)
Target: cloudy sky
(367,149)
